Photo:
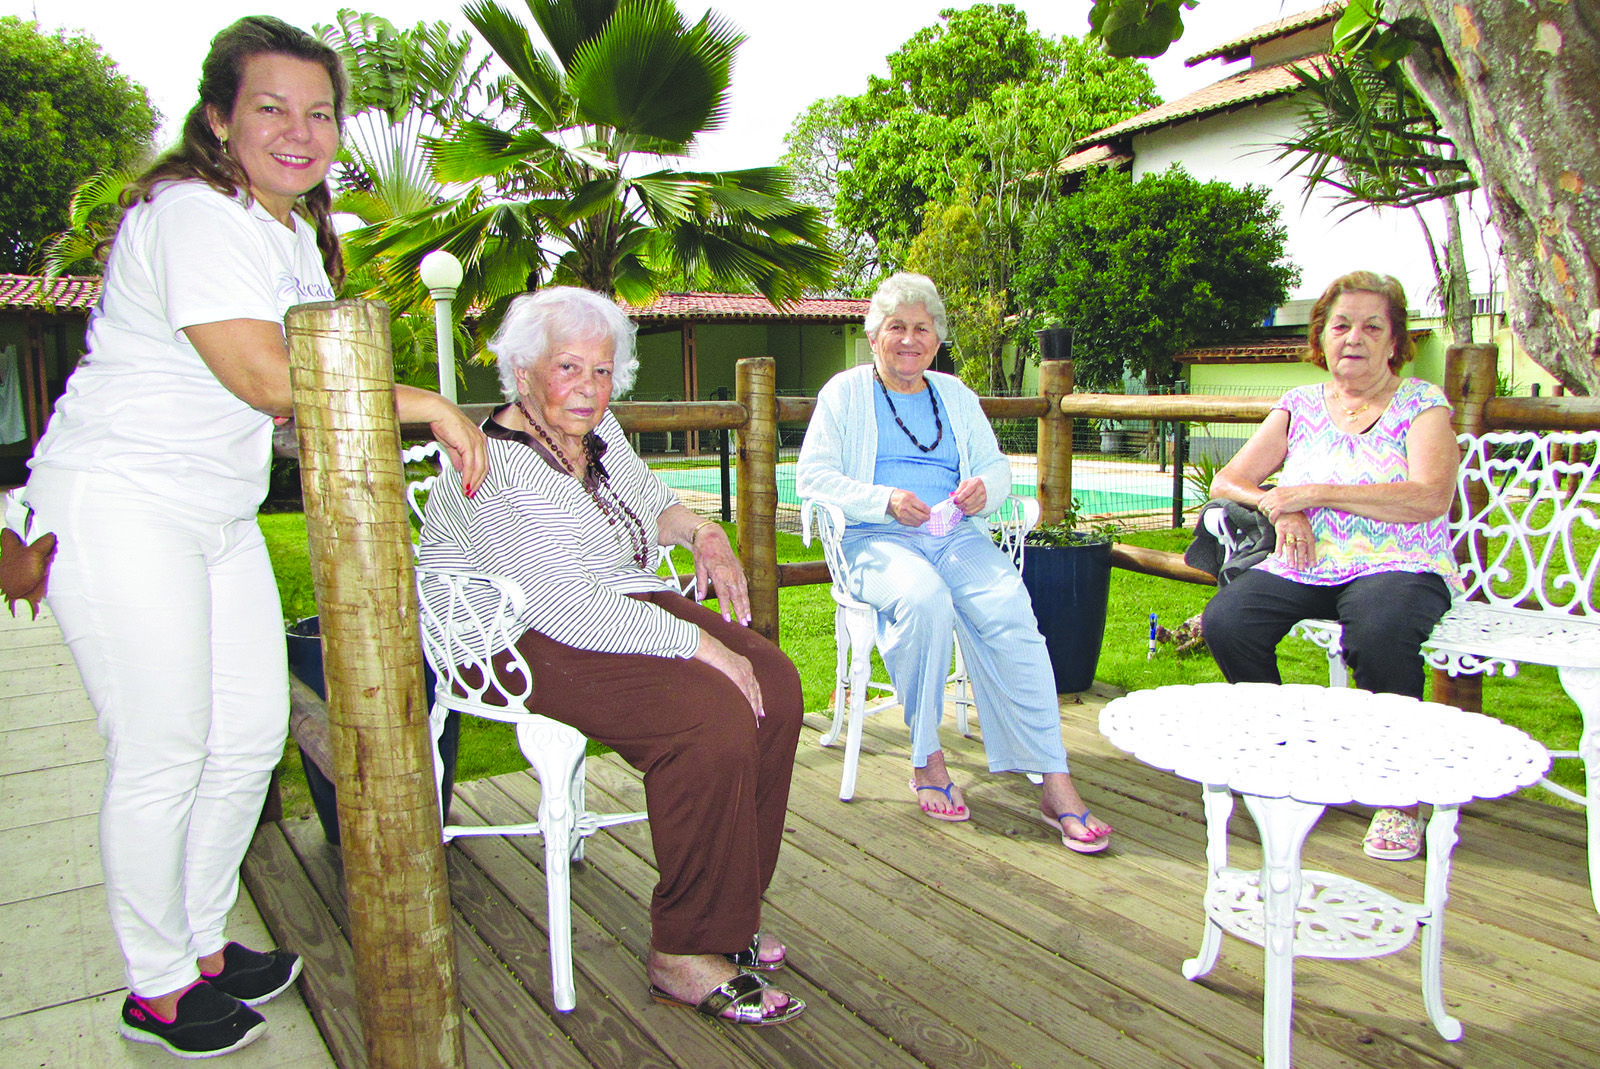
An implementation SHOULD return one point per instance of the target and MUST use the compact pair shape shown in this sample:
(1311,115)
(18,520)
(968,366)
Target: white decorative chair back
(1523,503)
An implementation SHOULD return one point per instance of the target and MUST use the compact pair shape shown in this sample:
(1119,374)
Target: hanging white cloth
(13,427)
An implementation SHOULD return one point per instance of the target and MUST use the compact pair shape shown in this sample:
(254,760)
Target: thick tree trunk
(1516,86)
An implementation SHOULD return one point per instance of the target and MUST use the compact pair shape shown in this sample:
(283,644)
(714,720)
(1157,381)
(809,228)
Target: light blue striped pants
(928,589)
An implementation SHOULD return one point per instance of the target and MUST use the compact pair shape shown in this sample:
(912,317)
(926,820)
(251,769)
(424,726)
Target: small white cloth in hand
(943,518)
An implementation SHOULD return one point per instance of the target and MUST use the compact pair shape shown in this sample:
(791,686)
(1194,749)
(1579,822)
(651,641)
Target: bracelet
(694,534)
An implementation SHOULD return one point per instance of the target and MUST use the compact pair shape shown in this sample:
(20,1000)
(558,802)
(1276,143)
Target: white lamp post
(442,274)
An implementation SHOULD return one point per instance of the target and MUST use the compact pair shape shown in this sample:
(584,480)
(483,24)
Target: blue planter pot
(1069,587)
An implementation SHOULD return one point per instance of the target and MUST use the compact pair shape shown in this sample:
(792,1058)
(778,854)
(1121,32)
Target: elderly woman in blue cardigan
(909,457)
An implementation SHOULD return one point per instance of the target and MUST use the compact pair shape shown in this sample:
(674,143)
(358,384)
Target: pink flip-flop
(1093,846)
(956,816)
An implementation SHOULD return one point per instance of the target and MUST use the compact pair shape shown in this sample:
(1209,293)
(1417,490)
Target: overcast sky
(795,53)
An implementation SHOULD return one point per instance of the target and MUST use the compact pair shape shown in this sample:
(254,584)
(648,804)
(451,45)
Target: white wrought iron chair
(855,628)
(469,631)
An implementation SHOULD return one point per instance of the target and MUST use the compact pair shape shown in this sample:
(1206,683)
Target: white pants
(172,615)
(927,590)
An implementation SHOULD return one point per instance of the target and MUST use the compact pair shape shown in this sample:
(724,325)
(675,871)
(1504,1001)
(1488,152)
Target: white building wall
(1325,240)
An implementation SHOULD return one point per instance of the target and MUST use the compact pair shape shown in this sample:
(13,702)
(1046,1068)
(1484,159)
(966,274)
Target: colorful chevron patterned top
(1350,546)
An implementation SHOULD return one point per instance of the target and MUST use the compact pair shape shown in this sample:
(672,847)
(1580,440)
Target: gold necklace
(1351,411)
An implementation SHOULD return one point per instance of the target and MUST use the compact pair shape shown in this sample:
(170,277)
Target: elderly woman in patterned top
(1365,468)
(708,710)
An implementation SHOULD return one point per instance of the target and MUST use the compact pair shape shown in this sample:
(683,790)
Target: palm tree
(573,179)
(92,215)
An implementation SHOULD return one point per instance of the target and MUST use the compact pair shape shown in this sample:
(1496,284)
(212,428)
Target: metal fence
(1133,474)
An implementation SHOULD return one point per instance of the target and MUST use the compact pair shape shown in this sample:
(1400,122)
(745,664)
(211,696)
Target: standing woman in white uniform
(154,465)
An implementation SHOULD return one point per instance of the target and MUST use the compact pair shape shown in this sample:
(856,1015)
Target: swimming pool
(1097,493)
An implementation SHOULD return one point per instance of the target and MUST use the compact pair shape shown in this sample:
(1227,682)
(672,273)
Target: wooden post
(758,489)
(395,881)
(1055,442)
(1469,381)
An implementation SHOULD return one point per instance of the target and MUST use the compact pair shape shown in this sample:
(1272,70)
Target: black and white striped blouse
(539,526)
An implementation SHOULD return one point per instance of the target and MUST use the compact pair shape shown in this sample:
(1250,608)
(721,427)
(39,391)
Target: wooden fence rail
(1470,376)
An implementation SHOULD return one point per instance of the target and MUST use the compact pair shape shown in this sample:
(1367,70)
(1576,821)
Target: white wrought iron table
(1291,751)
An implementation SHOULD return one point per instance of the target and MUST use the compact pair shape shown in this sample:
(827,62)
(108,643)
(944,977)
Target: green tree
(959,248)
(977,100)
(1370,138)
(1513,85)
(1141,270)
(574,179)
(65,113)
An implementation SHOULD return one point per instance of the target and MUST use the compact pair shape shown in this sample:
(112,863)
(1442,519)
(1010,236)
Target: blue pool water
(1096,493)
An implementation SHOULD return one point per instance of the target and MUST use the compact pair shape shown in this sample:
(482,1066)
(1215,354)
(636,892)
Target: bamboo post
(395,881)
(1055,442)
(758,490)
(1469,383)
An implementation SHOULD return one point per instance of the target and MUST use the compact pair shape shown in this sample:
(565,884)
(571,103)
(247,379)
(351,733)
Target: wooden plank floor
(984,944)
(61,974)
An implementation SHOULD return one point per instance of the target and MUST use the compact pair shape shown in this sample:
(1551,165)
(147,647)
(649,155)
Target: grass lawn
(1533,700)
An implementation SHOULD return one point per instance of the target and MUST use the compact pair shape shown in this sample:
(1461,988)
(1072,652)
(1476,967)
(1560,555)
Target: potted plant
(1110,435)
(1067,570)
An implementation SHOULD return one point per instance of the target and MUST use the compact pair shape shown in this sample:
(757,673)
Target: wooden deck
(983,944)
(61,975)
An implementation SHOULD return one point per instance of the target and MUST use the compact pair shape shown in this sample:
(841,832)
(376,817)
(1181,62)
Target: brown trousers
(716,781)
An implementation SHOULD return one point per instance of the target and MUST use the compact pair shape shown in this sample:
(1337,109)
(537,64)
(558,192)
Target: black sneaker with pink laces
(207,1023)
(253,977)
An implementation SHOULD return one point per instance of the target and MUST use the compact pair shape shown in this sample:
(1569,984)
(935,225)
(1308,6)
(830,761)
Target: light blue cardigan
(840,451)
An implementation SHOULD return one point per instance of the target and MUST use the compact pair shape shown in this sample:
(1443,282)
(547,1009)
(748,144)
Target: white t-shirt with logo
(142,404)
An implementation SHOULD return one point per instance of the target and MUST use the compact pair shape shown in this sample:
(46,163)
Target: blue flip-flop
(956,817)
(1094,846)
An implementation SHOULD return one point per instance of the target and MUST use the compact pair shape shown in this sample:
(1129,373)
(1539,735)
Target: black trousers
(1385,618)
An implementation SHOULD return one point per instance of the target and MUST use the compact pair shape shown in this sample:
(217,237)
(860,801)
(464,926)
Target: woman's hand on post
(908,509)
(463,440)
(733,665)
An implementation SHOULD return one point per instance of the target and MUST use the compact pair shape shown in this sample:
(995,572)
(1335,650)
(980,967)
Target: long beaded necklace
(938,425)
(612,507)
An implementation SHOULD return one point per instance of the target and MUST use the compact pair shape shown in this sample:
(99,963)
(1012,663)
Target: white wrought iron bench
(1526,526)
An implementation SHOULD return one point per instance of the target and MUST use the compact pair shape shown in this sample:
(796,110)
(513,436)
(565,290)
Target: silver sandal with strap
(751,958)
(741,996)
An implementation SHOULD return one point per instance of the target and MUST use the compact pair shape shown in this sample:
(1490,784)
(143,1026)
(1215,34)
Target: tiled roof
(1093,156)
(1239,47)
(1272,351)
(81,292)
(703,306)
(67,293)
(1265,351)
(1251,86)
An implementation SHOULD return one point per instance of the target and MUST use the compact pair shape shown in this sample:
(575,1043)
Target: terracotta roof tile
(1239,47)
(67,293)
(1246,87)
(1274,351)
(703,306)
(1093,156)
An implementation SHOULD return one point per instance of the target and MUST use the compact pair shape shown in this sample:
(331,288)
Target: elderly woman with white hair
(707,709)
(888,443)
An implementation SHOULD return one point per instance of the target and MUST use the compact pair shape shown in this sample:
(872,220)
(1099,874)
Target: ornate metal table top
(1323,746)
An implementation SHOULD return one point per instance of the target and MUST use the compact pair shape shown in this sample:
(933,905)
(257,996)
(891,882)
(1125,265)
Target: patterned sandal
(1396,827)
(738,1002)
